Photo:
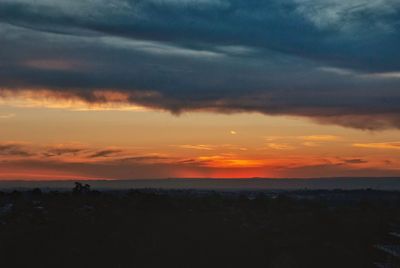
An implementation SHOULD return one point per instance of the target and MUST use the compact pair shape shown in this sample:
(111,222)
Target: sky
(127,89)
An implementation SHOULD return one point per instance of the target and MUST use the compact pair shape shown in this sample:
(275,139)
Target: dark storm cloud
(331,60)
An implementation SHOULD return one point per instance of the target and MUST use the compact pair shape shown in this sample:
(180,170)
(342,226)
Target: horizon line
(204,178)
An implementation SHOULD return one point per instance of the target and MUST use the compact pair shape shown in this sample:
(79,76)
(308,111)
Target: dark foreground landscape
(195,228)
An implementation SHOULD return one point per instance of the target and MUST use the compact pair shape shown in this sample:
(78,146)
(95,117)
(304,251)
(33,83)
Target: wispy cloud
(105,153)
(11,149)
(198,147)
(6,116)
(320,138)
(355,161)
(379,145)
(69,161)
(280,146)
(212,147)
(291,142)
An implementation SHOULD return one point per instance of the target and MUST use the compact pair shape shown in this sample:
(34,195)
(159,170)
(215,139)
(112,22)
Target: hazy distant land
(219,184)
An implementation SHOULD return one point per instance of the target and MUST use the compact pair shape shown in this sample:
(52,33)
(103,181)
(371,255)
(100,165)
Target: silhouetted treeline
(85,228)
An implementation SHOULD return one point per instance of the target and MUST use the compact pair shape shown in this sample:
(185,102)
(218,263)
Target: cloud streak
(72,161)
(13,150)
(379,145)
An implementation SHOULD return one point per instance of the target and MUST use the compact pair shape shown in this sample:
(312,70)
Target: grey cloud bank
(336,62)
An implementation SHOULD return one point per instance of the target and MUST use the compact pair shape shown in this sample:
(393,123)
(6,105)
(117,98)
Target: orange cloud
(379,145)
(235,161)
(211,147)
(280,146)
(99,100)
(43,175)
(197,147)
(320,138)
(229,162)
(311,144)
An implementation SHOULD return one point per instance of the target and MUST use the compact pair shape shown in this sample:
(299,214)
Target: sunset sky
(128,89)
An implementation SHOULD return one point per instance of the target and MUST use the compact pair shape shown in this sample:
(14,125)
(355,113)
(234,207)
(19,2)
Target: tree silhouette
(81,188)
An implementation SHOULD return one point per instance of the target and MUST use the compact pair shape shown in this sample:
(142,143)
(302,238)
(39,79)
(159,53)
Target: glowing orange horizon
(52,135)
